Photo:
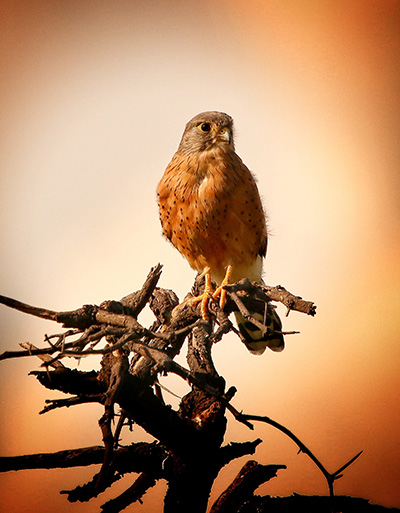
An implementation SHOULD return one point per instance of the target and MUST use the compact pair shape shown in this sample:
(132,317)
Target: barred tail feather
(254,339)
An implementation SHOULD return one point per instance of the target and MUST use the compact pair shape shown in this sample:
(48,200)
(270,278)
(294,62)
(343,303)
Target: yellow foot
(206,296)
(210,295)
(220,291)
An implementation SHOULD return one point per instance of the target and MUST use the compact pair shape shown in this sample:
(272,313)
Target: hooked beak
(226,135)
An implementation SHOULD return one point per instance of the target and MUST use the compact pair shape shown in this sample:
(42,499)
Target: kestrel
(211,211)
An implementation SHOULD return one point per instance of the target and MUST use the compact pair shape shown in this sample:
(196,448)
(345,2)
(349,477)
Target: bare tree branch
(133,494)
(330,477)
(250,477)
(188,451)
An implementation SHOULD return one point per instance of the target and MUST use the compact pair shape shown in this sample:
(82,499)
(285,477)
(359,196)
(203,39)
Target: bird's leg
(206,296)
(220,291)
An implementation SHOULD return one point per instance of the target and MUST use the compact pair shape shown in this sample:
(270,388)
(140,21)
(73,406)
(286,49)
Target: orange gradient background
(94,98)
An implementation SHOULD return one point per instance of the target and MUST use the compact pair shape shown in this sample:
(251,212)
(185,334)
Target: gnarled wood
(189,451)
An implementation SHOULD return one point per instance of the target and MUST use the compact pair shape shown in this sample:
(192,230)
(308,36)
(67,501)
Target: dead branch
(250,477)
(313,503)
(47,360)
(133,494)
(236,450)
(135,302)
(71,381)
(61,459)
(137,457)
(188,452)
(43,313)
(94,322)
(330,477)
(53,404)
(277,293)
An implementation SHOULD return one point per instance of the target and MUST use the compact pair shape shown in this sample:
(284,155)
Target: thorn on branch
(330,477)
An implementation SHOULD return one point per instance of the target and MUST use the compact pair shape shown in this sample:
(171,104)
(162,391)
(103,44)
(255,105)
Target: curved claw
(205,297)
(210,294)
(220,291)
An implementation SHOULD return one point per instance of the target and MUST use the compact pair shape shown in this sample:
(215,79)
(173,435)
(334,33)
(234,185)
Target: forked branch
(188,452)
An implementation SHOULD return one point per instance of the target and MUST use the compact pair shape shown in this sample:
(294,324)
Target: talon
(220,291)
(205,297)
(210,294)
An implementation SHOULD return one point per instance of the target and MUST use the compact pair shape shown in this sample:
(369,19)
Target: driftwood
(189,451)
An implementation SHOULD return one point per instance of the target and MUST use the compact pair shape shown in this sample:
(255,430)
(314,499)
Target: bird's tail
(256,341)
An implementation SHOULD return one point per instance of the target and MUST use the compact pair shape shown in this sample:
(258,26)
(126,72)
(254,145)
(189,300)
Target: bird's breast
(207,211)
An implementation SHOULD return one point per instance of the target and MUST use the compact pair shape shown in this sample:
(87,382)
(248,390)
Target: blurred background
(94,99)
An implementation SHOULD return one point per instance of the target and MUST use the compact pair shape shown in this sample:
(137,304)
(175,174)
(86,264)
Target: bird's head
(206,131)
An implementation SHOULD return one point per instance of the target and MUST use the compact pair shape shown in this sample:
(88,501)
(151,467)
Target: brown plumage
(211,211)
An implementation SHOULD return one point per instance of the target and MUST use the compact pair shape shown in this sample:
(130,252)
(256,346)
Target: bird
(211,211)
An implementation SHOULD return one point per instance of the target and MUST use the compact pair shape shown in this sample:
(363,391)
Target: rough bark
(189,450)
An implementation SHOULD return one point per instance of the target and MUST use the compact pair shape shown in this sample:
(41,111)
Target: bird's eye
(205,127)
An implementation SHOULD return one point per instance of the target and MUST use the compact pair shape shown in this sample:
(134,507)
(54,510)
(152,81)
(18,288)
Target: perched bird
(211,211)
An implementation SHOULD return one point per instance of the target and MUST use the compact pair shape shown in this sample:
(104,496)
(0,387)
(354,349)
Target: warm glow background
(94,99)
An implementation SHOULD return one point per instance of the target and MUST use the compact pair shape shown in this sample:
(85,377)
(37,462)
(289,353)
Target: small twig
(46,359)
(34,352)
(246,314)
(330,477)
(292,302)
(158,384)
(337,474)
(277,293)
(70,401)
(60,338)
(118,429)
(95,333)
